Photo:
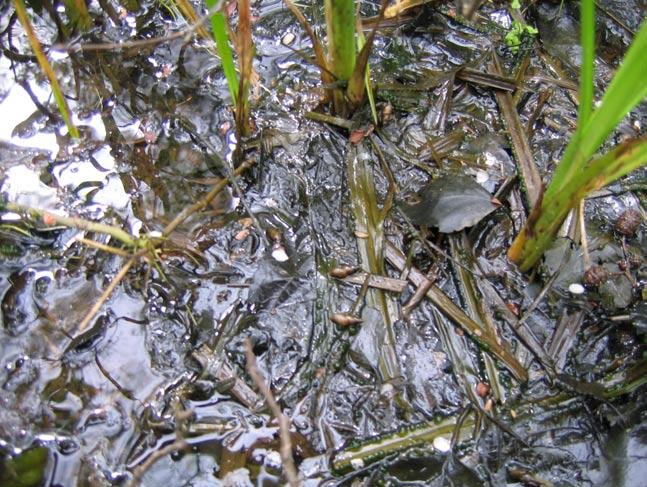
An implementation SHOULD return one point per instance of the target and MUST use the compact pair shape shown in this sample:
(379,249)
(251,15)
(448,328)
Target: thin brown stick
(377,282)
(139,472)
(73,222)
(284,423)
(107,292)
(202,203)
(101,246)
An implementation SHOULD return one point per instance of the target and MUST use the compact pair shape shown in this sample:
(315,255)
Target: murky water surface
(104,402)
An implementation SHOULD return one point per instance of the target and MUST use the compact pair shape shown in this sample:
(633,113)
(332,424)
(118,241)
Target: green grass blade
(361,42)
(220,35)
(21,12)
(587,70)
(626,90)
(340,20)
(546,219)
(618,162)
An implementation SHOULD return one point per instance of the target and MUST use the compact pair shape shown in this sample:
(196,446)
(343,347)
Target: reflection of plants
(21,12)
(577,174)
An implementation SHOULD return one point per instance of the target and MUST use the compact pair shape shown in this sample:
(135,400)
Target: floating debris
(451,203)
(442,444)
(279,254)
(341,272)
(343,319)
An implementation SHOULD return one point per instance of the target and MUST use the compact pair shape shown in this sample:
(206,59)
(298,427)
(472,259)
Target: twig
(73,222)
(139,472)
(284,423)
(202,203)
(107,292)
(101,246)
(378,282)
(331,119)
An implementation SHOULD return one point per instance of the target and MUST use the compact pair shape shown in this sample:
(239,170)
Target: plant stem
(74,222)
(340,20)
(21,12)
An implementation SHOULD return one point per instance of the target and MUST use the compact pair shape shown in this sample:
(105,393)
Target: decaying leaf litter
(449,346)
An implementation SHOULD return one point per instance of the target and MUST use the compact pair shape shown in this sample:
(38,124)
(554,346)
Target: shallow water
(164,358)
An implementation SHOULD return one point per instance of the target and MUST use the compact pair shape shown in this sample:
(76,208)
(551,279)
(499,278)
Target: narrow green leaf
(626,90)
(587,70)
(220,35)
(618,162)
(340,20)
(546,219)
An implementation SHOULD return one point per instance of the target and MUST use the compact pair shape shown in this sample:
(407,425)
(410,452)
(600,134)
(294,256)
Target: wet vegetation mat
(237,249)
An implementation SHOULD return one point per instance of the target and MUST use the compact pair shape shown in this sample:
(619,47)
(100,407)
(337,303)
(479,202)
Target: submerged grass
(44,64)
(576,174)
(369,220)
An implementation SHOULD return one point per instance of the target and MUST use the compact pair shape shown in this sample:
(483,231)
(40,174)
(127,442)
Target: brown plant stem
(202,203)
(74,222)
(284,423)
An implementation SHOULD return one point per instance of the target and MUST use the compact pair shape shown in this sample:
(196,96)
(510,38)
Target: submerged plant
(578,174)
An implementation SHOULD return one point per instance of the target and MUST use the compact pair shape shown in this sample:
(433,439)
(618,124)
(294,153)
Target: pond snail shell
(595,275)
(628,222)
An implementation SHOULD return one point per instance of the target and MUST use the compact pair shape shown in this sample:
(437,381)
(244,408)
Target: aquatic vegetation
(25,470)
(519,30)
(344,67)
(393,344)
(340,23)
(46,68)
(238,82)
(577,173)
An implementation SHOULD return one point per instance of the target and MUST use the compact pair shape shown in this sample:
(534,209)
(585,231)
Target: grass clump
(578,173)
